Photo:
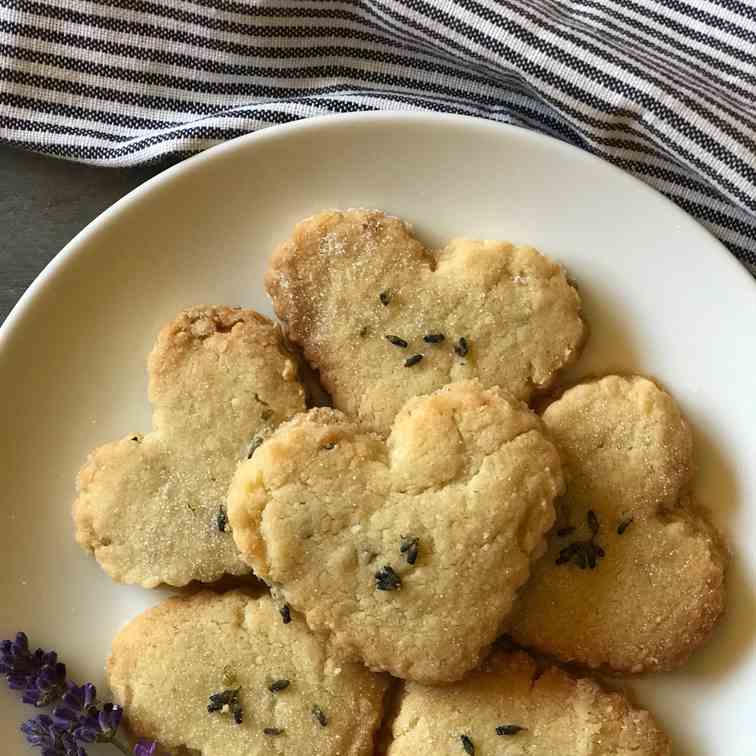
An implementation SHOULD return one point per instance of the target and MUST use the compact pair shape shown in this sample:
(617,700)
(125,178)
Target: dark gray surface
(44,203)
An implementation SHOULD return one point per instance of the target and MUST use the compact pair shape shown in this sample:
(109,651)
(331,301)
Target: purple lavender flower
(19,665)
(81,716)
(81,698)
(42,732)
(100,726)
(78,702)
(47,687)
(145,748)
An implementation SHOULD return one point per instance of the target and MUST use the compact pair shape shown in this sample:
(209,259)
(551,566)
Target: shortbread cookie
(509,709)
(409,551)
(151,508)
(633,578)
(224,676)
(383,319)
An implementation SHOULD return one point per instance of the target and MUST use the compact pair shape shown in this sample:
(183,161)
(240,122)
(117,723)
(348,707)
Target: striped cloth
(662,88)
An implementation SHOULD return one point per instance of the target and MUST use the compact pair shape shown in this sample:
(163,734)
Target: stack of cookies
(431,548)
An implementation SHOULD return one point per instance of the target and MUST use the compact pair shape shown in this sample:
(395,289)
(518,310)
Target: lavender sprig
(77,719)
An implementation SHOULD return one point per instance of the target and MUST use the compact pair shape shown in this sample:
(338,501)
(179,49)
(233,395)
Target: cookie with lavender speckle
(383,319)
(634,576)
(406,552)
(222,675)
(151,508)
(512,708)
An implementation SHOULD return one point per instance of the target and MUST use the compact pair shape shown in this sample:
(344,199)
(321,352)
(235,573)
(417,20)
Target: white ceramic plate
(661,295)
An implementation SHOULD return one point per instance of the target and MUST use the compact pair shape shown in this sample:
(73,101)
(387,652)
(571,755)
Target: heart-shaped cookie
(633,579)
(409,551)
(511,708)
(151,508)
(383,319)
(224,676)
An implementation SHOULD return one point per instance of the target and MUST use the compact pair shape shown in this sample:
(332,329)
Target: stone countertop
(44,203)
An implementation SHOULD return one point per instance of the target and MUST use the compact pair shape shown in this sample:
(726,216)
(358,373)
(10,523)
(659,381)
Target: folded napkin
(662,88)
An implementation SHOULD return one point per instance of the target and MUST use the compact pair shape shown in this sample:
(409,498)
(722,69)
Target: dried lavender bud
(467,744)
(624,525)
(410,361)
(566,554)
(217,701)
(584,554)
(396,341)
(434,338)
(221,519)
(385,297)
(285,613)
(387,580)
(227,700)
(462,347)
(510,729)
(317,712)
(254,446)
(278,685)
(409,547)
(273,731)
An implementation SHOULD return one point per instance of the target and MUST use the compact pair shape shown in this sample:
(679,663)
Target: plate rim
(175,172)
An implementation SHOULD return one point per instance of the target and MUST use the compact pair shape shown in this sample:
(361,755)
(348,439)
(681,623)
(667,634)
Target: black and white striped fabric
(662,88)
